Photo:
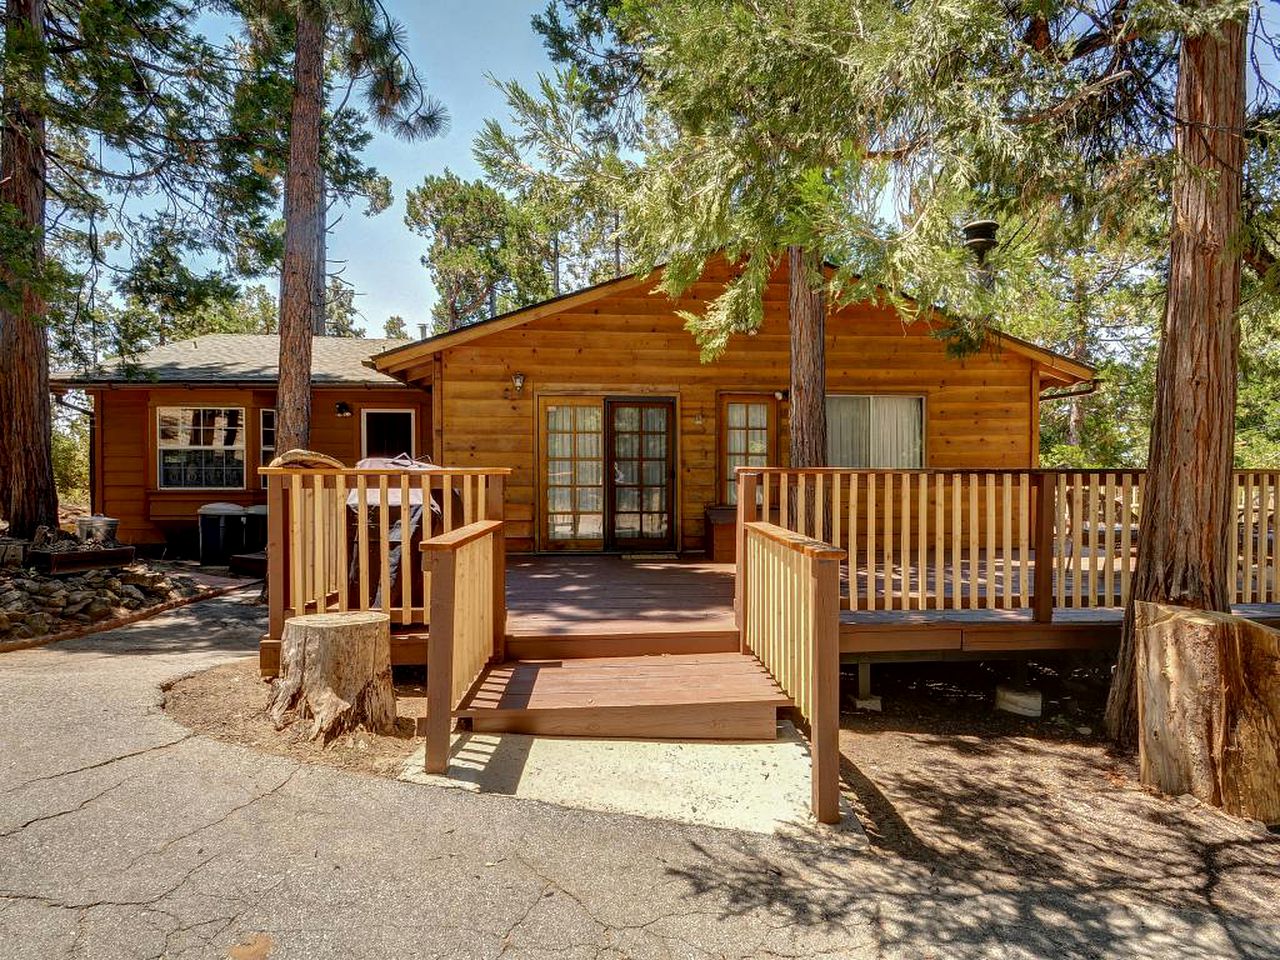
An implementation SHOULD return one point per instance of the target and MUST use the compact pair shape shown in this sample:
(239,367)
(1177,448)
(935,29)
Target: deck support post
(748,483)
(495,509)
(277,562)
(864,680)
(1044,491)
(440,660)
(824,725)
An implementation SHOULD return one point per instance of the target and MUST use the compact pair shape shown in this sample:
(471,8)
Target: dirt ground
(229,702)
(938,778)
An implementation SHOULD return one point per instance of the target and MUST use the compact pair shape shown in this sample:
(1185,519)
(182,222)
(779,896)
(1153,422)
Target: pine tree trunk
(808,310)
(302,213)
(1185,535)
(319,297)
(29,497)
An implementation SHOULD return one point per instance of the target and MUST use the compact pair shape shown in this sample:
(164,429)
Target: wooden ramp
(701,696)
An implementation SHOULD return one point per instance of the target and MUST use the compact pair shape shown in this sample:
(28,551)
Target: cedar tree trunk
(28,495)
(303,208)
(808,309)
(1186,532)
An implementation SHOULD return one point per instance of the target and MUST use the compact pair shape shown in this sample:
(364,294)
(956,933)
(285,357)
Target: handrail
(795,541)
(791,623)
(374,471)
(467,568)
(462,536)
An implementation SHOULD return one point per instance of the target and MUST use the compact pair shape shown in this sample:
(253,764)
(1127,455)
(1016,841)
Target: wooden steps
(701,696)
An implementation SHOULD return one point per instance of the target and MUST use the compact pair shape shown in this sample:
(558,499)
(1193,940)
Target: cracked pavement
(123,835)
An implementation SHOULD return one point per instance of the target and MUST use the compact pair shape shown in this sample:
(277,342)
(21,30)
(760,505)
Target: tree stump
(335,670)
(1209,708)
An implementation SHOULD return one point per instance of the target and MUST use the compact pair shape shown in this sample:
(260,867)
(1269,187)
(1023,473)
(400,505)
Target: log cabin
(618,436)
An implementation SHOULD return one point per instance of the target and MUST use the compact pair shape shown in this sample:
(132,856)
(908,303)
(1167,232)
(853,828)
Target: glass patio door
(640,472)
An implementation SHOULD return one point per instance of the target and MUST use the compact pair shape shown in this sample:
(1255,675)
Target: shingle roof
(237,358)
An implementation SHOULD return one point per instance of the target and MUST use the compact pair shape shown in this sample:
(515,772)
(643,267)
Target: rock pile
(33,604)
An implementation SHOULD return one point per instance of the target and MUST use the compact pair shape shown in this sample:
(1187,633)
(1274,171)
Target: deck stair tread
(700,696)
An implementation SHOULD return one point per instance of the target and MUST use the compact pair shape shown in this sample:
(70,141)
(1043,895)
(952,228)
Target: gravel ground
(124,834)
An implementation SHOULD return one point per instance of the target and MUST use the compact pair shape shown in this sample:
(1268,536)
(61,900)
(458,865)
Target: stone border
(102,626)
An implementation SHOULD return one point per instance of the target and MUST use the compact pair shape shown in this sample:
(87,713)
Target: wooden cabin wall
(979,412)
(126,470)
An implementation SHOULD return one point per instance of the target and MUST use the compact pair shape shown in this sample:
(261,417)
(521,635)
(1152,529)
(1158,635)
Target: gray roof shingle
(237,358)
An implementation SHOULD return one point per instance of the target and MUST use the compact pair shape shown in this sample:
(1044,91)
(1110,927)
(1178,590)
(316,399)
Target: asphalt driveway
(123,835)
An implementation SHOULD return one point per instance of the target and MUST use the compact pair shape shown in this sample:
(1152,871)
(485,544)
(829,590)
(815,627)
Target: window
(200,448)
(880,432)
(747,426)
(574,453)
(266,439)
(387,433)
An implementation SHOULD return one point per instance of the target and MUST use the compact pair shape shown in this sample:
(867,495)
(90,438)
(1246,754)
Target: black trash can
(221,532)
(255,528)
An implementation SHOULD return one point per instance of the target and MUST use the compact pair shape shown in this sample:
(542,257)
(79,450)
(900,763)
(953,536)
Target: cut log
(1209,708)
(335,670)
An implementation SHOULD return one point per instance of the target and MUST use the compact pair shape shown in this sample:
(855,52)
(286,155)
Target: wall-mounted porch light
(517,381)
(342,409)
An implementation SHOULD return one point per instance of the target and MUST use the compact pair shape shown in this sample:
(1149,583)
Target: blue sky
(454,45)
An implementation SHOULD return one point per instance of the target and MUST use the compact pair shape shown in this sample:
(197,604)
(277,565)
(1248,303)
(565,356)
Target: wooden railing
(341,539)
(467,567)
(952,539)
(790,602)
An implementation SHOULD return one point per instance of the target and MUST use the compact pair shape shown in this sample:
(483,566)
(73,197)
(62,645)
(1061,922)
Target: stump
(335,670)
(1209,708)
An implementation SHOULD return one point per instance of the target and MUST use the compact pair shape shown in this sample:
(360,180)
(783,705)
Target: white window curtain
(875,432)
(896,441)
(849,432)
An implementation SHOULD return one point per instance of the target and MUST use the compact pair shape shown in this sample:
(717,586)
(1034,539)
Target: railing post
(1044,509)
(442,564)
(824,725)
(495,509)
(277,561)
(747,486)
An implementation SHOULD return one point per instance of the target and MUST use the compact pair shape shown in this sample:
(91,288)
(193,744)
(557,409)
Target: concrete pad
(758,787)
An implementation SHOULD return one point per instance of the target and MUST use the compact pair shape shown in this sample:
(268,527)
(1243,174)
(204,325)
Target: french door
(640,474)
(608,473)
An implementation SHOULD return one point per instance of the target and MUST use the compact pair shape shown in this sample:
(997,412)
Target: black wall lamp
(342,409)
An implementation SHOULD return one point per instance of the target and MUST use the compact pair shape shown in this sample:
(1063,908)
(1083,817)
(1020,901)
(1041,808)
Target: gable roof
(393,361)
(224,358)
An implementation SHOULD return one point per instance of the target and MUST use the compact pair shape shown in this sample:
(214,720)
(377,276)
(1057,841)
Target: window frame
(903,395)
(262,447)
(723,474)
(160,409)
(364,427)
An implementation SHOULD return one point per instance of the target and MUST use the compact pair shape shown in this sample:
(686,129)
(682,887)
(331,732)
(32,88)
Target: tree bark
(303,211)
(1209,708)
(28,495)
(1185,534)
(335,670)
(320,296)
(808,313)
